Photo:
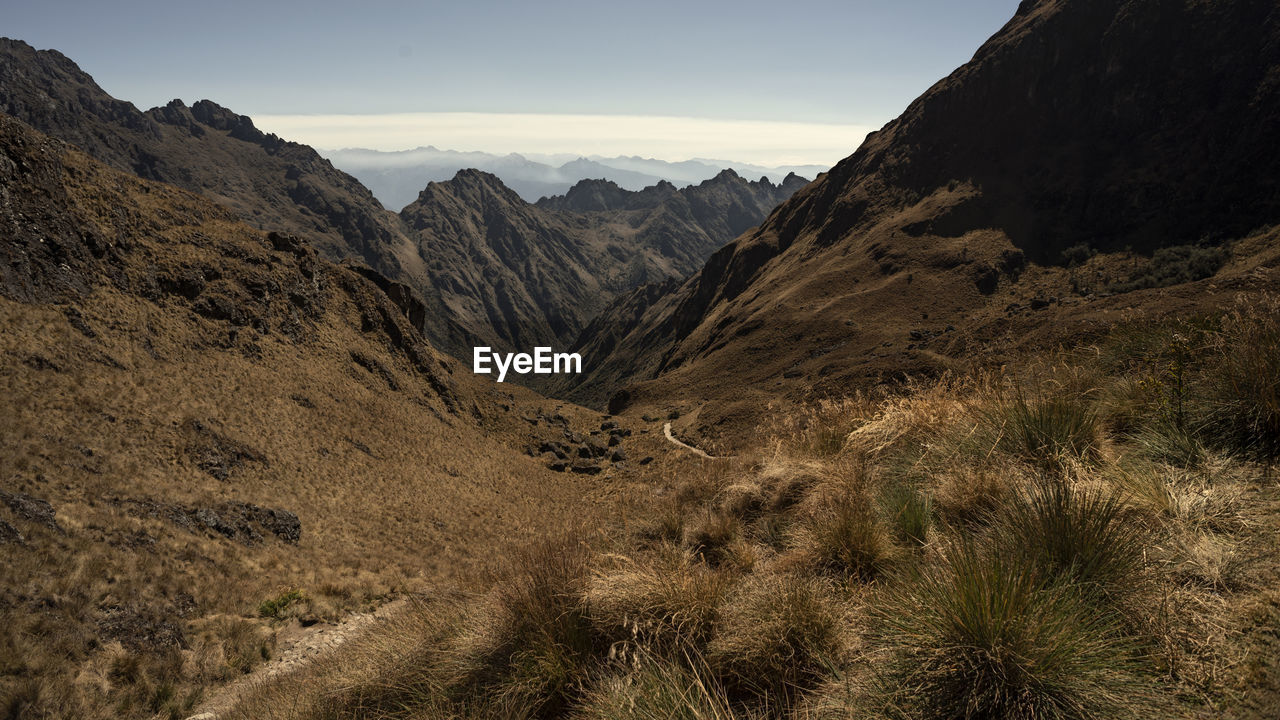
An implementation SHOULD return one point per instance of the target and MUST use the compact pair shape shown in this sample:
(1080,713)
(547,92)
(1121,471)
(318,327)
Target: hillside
(209,430)
(1085,154)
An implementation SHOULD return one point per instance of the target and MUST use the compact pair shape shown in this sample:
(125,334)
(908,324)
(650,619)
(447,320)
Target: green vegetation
(1174,265)
(274,607)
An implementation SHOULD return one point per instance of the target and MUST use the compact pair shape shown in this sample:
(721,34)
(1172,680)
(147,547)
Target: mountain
(201,417)
(396,177)
(485,266)
(517,275)
(1089,162)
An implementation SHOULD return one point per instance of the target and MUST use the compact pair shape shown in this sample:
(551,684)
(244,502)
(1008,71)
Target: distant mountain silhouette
(396,177)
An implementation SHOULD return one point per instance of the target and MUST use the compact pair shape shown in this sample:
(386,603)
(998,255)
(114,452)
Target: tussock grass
(910,511)
(1244,381)
(1064,541)
(779,635)
(1079,536)
(983,636)
(1046,427)
(843,535)
(665,604)
(658,690)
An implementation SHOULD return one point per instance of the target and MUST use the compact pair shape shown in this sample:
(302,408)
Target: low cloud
(663,137)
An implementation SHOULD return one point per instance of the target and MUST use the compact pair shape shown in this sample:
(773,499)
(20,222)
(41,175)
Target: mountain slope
(199,418)
(1080,128)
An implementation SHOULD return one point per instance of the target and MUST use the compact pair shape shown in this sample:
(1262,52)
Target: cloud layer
(663,137)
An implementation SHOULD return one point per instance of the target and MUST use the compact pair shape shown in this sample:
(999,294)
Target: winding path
(666,430)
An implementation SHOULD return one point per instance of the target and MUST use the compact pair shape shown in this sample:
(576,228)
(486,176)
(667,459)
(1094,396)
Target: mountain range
(820,422)
(395,178)
(484,266)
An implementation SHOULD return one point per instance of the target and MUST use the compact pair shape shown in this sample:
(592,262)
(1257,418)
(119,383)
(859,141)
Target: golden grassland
(119,407)
(1093,535)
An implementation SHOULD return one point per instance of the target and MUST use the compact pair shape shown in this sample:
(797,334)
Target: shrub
(982,636)
(274,607)
(778,635)
(1174,265)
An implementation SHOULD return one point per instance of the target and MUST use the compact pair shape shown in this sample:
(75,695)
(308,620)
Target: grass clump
(1078,536)
(665,604)
(982,636)
(1244,381)
(275,607)
(779,636)
(1048,427)
(843,536)
(910,511)
(532,645)
(657,690)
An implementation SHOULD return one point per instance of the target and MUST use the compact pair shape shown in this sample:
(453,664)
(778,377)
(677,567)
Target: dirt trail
(666,430)
(297,648)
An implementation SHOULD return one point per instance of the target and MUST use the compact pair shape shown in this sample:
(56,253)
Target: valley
(982,422)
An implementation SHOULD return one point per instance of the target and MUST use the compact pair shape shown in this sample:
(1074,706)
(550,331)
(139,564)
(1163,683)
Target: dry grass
(129,399)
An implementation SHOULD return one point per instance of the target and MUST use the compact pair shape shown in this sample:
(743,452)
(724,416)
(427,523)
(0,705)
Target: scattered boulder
(243,522)
(618,455)
(592,449)
(32,509)
(141,630)
(215,453)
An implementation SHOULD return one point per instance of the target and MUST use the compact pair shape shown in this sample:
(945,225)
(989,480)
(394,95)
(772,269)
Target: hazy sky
(842,67)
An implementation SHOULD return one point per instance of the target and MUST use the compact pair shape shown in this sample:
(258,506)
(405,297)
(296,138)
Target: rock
(621,432)
(31,508)
(10,534)
(592,449)
(243,522)
(585,468)
(646,459)
(1039,303)
(618,455)
(608,425)
(613,440)
(558,465)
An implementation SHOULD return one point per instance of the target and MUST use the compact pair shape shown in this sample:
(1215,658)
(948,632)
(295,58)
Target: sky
(770,82)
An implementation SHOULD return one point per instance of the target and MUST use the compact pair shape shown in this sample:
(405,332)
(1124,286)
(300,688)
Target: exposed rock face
(1138,124)
(31,509)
